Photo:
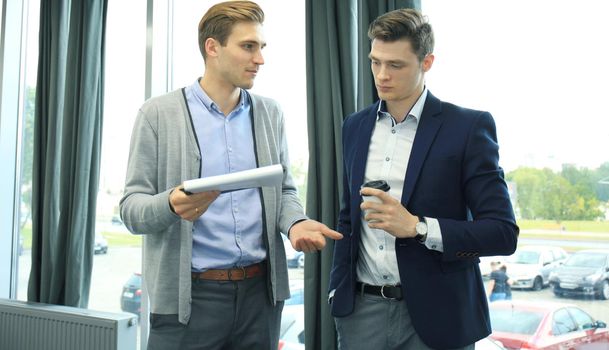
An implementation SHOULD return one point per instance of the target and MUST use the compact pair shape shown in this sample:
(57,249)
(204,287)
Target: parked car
(520,324)
(294,257)
(530,266)
(585,273)
(116,220)
(101,244)
(488,344)
(131,296)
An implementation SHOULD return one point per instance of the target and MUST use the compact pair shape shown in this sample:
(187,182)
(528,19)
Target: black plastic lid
(378,184)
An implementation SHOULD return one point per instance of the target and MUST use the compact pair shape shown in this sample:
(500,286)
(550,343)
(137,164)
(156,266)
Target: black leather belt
(386,291)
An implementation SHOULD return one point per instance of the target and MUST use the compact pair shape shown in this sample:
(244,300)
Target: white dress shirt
(388,156)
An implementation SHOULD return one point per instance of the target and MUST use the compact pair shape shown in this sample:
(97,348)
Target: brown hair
(406,24)
(218,21)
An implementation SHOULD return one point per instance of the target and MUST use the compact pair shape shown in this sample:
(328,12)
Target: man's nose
(258,58)
(382,73)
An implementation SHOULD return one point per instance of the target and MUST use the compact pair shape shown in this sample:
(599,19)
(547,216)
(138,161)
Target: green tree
(544,194)
(27,153)
(602,189)
(528,181)
(585,206)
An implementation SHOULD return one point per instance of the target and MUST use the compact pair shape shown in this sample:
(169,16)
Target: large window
(117,252)
(540,68)
(134,72)
(117,262)
(30,70)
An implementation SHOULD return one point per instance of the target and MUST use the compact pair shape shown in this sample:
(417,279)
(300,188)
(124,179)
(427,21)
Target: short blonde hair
(218,21)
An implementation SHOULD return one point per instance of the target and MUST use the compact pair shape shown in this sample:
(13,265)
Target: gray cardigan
(163,154)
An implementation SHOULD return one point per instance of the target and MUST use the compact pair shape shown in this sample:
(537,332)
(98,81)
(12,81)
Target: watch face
(421,228)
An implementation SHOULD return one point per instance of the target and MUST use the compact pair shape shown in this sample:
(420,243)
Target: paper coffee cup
(379,185)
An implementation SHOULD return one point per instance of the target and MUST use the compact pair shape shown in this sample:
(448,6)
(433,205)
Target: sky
(540,67)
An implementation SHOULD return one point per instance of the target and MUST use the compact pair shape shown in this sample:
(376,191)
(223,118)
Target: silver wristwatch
(421,229)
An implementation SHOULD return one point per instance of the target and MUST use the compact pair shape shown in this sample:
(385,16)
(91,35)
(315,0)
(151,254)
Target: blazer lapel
(364,133)
(427,129)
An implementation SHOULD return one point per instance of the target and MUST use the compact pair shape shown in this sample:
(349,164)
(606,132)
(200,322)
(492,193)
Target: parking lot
(110,272)
(599,309)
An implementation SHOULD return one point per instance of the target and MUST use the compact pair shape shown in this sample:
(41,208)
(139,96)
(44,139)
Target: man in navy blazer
(405,275)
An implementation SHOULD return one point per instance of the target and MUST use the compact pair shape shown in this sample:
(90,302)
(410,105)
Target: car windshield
(515,321)
(524,257)
(586,260)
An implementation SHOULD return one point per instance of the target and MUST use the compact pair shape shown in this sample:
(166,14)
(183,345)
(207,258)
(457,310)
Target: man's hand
(310,235)
(191,207)
(390,216)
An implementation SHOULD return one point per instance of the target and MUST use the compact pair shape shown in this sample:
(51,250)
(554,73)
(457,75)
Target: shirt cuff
(331,295)
(434,235)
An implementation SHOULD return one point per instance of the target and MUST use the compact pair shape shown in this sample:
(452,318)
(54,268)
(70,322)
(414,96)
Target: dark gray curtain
(339,82)
(331,95)
(67,146)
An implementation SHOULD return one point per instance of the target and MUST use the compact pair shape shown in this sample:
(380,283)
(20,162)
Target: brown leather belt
(235,274)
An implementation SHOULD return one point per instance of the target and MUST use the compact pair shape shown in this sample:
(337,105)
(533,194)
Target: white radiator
(25,326)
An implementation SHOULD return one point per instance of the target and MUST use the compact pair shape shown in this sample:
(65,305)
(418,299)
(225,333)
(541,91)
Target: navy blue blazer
(453,175)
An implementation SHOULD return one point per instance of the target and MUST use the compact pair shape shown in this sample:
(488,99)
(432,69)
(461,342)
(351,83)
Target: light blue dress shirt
(229,233)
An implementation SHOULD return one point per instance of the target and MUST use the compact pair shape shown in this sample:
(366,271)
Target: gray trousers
(379,324)
(225,315)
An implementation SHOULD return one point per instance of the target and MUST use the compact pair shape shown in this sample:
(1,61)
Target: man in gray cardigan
(214,263)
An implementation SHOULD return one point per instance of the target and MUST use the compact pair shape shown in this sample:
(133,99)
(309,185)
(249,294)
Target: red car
(546,325)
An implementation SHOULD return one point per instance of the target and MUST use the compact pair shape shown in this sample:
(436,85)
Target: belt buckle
(230,273)
(383,293)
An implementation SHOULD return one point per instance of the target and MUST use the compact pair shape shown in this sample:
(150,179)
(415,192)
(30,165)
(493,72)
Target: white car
(530,266)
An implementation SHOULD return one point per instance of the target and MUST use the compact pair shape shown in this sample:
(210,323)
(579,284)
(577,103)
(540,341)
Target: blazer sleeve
(492,230)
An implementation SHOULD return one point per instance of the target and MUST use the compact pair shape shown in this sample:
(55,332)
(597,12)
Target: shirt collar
(210,104)
(416,111)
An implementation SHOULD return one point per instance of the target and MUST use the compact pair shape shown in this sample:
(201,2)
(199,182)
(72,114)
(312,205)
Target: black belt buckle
(383,293)
(387,292)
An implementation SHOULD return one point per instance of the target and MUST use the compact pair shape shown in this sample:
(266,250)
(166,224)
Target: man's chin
(383,95)
(247,85)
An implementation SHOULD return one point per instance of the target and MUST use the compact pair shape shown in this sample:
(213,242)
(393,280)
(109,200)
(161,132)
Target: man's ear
(428,62)
(211,47)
